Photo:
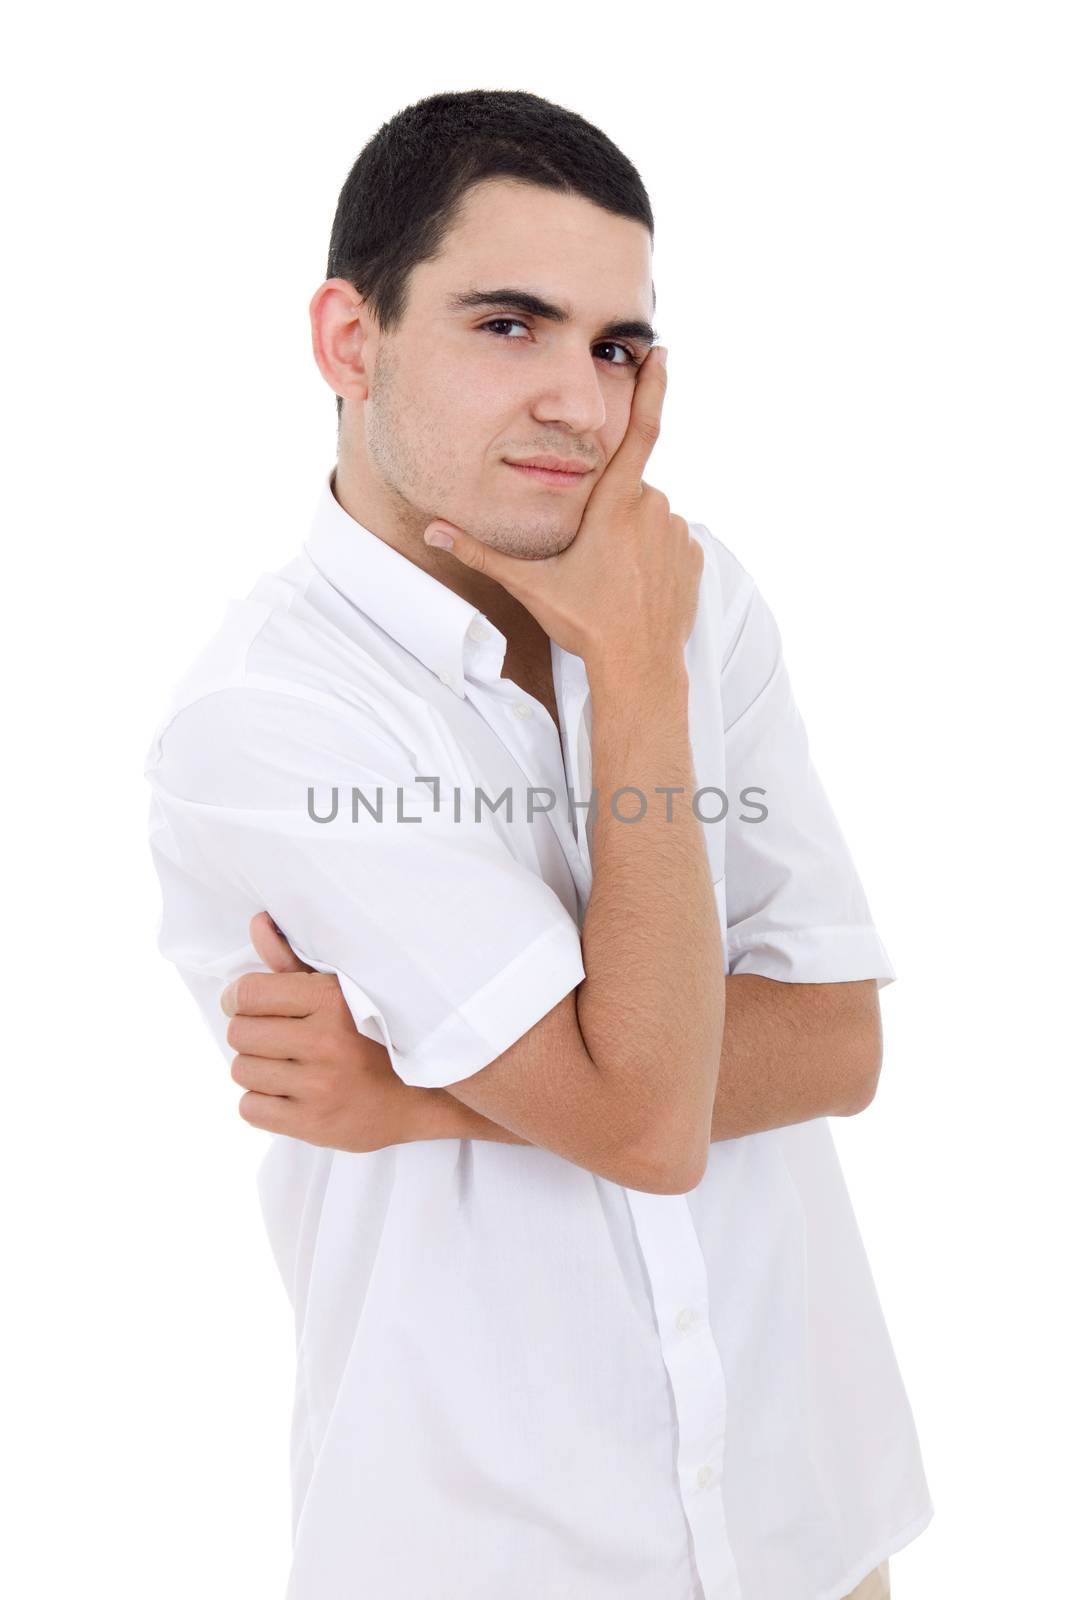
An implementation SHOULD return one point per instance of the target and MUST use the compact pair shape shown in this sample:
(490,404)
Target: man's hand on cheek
(308,1071)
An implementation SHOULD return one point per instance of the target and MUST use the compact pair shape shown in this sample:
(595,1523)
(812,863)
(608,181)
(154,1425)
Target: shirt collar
(428,619)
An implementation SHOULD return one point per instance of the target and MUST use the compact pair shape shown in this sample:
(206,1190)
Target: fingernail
(439,537)
(662,348)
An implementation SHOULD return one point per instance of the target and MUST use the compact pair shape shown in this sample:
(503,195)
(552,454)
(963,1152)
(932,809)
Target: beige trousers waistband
(875,1585)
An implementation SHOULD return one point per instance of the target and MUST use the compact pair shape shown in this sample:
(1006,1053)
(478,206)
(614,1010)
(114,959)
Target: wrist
(627,678)
(436,1114)
(428,1114)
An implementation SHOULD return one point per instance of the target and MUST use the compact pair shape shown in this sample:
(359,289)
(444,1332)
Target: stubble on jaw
(400,466)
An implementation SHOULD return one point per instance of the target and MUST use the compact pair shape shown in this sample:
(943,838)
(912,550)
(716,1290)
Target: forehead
(560,245)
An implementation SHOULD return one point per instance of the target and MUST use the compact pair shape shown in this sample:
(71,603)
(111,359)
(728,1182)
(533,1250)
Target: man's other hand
(308,1071)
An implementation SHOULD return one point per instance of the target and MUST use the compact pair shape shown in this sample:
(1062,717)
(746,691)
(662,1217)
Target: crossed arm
(637,1069)
(790,1052)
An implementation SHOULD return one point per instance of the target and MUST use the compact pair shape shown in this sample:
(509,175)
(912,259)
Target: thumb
(272,947)
(505,570)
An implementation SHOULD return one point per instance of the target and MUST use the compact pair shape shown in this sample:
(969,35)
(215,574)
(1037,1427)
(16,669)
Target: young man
(581,1306)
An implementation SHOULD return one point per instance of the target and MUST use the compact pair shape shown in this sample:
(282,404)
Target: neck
(378,509)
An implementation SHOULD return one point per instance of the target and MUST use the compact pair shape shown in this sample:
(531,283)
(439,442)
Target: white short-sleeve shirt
(514,1377)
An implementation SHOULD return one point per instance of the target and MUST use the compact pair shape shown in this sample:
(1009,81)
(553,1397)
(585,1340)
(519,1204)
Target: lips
(569,464)
(550,475)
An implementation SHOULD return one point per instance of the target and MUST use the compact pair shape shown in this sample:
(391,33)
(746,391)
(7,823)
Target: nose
(570,391)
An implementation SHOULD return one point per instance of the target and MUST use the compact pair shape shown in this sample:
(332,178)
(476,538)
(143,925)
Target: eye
(629,358)
(501,322)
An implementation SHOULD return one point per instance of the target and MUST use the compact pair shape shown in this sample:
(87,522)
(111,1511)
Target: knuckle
(243,991)
(326,1028)
(655,505)
(322,1045)
(326,990)
(316,1083)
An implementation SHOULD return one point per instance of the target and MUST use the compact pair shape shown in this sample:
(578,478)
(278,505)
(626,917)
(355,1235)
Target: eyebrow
(533,306)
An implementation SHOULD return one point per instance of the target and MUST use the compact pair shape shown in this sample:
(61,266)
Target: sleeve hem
(487,1024)
(832,954)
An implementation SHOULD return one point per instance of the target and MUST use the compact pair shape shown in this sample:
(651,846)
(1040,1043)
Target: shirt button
(684,1320)
(479,632)
(445,677)
(704,1477)
(523,710)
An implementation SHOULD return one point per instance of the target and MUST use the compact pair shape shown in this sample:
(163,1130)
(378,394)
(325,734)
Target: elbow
(659,1153)
(672,1158)
(676,1172)
(865,1068)
(853,1106)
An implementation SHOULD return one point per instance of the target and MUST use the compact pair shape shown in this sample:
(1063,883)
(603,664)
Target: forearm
(436,1114)
(651,1005)
(790,1052)
(788,1055)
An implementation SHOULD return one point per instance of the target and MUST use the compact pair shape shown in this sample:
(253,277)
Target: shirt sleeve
(795,907)
(447,947)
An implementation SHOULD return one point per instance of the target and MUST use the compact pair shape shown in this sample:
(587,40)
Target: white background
(860,267)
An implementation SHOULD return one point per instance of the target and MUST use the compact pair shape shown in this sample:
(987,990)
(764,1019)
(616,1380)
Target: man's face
(456,392)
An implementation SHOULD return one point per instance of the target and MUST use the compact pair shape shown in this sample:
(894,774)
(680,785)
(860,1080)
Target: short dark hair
(403,193)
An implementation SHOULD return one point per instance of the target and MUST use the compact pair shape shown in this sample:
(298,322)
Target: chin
(539,544)
(526,539)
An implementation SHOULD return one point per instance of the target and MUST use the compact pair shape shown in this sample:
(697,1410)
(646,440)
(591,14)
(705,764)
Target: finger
(275,994)
(626,467)
(272,947)
(508,571)
(266,1076)
(279,1038)
(274,1113)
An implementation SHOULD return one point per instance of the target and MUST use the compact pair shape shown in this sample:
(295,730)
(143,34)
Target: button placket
(537,754)
(678,1278)
(573,687)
